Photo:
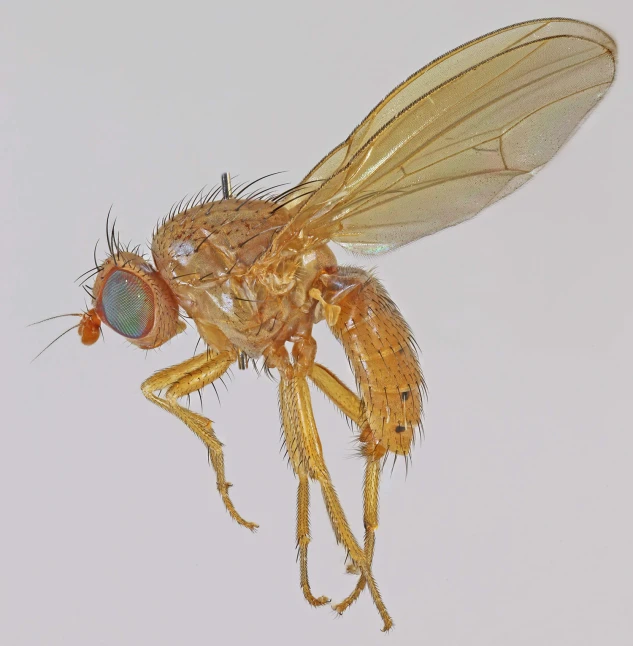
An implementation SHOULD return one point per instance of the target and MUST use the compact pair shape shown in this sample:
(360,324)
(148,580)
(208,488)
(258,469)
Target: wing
(460,134)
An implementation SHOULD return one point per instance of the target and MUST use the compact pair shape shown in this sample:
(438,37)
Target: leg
(370,520)
(296,454)
(340,395)
(181,380)
(303,538)
(318,471)
(351,406)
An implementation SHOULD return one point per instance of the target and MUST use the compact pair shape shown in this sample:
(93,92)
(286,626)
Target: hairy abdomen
(382,354)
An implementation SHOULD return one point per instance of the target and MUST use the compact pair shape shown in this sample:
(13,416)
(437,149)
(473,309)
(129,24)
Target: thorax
(211,257)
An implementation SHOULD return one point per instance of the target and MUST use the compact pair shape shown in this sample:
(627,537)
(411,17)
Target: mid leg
(181,380)
(318,471)
(296,455)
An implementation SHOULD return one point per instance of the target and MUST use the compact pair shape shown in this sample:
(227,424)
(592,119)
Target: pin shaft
(227,191)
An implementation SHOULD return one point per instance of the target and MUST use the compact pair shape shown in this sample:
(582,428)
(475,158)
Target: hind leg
(351,406)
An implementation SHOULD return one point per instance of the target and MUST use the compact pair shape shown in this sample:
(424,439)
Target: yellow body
(255,275)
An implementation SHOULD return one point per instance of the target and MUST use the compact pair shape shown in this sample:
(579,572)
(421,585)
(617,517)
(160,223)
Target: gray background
(513,527)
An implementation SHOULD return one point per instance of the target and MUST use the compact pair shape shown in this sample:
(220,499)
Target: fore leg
(351,405)
(181,380)
(296,455)
(318,470)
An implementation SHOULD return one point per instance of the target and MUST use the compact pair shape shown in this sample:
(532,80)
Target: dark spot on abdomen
(400,429)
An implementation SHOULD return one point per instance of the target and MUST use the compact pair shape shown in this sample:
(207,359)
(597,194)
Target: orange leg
(181,380)
(296,454)
(311,455)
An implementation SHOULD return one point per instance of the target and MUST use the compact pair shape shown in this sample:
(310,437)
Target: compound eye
(127,304)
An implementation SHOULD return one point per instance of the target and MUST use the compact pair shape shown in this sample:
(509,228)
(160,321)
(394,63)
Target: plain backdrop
(513,525)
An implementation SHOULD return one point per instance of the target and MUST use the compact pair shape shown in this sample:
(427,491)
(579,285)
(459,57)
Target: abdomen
(380,348)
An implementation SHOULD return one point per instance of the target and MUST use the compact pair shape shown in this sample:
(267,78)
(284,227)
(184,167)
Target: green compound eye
(128,304)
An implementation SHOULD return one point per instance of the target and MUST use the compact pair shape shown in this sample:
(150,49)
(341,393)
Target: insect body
(255,275)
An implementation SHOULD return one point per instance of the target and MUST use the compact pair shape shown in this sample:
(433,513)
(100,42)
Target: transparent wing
(461,133)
